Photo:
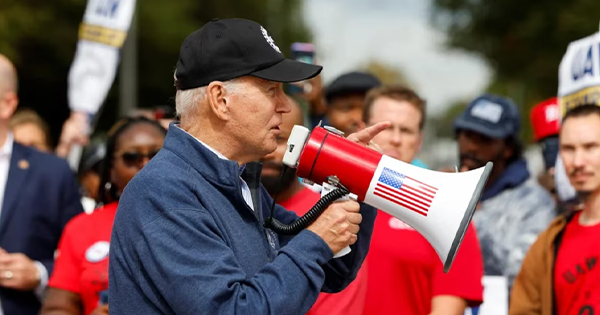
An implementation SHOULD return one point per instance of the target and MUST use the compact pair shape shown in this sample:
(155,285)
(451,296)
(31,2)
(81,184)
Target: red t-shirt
(81,265)
(351,300)
(405,272)
(577,270)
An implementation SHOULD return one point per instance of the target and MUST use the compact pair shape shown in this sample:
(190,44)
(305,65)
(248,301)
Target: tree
(388,74)
(523,41)
(442,124)
(40,37)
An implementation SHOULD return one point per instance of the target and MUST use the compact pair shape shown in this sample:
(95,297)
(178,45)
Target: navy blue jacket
(41,196)
(185,242)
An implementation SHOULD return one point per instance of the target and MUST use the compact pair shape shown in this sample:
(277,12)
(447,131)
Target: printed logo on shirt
(580,269)
(397,224)
(97,252)
(271,237)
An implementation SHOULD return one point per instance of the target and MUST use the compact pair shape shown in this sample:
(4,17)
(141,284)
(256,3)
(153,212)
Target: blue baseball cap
(490,115)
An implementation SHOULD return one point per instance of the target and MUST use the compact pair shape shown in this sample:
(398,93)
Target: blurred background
(449,51)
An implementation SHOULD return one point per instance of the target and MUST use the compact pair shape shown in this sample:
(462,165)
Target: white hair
(187,100)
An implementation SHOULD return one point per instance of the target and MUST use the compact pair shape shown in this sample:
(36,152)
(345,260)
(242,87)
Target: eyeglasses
(133,158)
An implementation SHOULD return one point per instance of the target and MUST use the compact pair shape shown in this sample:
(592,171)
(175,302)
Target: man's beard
(479,163)
(583,195)
(272,182)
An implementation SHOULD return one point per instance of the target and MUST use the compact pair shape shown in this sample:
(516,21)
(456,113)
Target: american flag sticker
(405,191)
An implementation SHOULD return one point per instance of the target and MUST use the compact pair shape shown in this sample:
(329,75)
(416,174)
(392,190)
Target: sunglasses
(133,158)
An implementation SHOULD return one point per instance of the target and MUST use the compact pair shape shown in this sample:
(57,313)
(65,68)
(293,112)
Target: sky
(349,33)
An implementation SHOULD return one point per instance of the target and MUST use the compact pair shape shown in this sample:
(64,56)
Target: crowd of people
(180,202)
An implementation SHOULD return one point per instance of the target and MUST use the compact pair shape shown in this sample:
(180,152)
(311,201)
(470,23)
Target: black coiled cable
(309,217)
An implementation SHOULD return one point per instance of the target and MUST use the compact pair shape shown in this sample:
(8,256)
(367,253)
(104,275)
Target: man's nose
(467,144)
(283,103)
(578,159)
(396,136)
(144,161)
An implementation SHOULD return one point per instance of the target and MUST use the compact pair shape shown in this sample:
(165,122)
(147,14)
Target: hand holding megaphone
(338,225)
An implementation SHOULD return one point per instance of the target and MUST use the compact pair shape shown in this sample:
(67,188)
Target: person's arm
(70,206)
(526,294)
(62,302)
(189,262)
(448,305)
(340,272)
(462,286)
(62,295)
(538,217)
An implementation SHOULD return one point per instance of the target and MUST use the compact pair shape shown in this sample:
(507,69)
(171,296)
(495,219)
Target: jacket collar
(215,169)
(18,172)
(514,175)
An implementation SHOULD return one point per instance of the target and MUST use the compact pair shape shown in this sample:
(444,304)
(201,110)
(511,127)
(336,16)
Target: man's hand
(18,272)
(74,131)
(364,136)
(338,225)
(100,310)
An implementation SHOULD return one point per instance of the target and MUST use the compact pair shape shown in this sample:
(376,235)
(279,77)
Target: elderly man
(189,236)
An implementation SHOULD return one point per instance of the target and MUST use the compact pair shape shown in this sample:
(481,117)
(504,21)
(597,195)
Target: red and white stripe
(413,195)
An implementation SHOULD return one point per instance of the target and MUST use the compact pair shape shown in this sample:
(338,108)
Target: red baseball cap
(545,119)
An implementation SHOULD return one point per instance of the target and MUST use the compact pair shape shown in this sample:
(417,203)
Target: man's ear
(217,100)
(8,105)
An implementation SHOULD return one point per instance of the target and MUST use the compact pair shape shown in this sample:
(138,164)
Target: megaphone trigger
(326,189)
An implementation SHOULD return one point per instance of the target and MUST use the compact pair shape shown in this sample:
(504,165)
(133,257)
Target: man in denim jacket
(189,234)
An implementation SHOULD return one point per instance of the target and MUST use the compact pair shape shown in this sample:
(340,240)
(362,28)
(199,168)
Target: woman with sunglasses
(79,281)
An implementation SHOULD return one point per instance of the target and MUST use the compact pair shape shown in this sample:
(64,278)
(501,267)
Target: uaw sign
(101,35)
(578,83)
(579,74)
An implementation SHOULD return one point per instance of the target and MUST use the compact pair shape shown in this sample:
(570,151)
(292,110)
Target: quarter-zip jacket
(185,242)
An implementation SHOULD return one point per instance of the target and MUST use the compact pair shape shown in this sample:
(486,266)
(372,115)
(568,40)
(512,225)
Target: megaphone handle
(326,189)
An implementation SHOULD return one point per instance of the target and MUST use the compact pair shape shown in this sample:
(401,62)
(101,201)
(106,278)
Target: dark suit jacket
(41,196)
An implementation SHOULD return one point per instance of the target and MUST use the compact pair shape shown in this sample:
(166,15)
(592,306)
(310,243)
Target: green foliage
(386,73)
(441,124)
(523,41)
(40,37)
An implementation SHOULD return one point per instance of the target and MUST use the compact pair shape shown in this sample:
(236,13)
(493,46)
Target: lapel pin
(23,164)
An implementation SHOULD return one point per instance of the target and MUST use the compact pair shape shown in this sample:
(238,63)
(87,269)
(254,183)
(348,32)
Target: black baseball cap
(230,48)
(352,82)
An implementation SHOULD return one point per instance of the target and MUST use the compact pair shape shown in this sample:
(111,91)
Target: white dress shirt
(5,155)
(245,189)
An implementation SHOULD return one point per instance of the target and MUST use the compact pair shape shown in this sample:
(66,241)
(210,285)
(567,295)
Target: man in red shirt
(296,197)
(405,274)
(560,273)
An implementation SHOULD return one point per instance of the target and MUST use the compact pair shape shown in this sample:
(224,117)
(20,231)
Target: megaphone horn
(438,205)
